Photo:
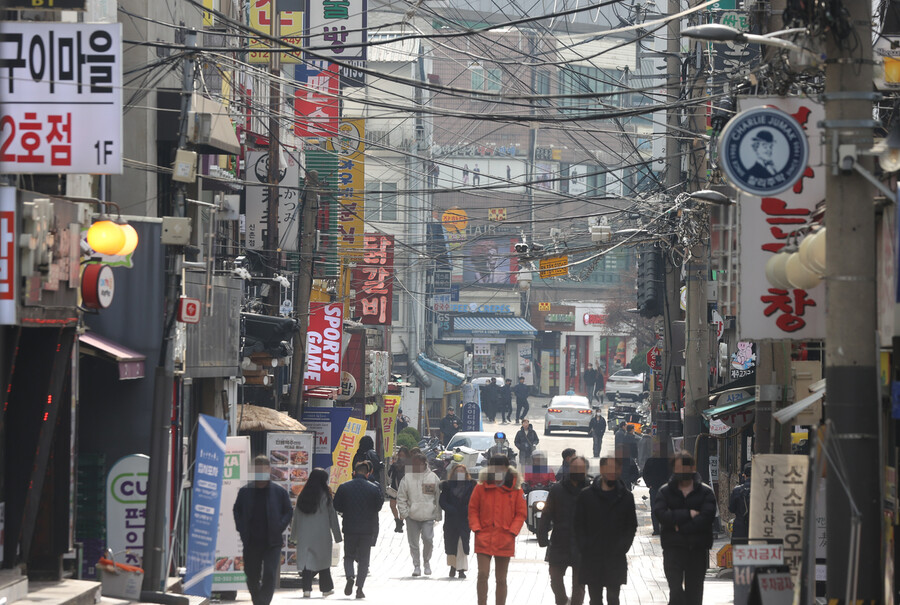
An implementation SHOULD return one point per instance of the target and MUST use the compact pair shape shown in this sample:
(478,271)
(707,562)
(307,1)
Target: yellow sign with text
(291,31)
(342,457)
(544,307)
(351,148)
(389,408)
(555,266)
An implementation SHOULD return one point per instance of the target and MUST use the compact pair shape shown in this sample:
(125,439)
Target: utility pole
(850,325)
(155,530)
(307,235)
(272,249)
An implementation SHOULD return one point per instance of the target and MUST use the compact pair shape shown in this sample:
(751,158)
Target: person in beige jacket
(418,502)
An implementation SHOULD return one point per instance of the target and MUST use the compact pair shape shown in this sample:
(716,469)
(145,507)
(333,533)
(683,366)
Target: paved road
(391,581)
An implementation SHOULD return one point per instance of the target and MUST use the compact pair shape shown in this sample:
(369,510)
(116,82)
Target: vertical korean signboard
(316,106)
(777,498)
(126,508)
(258,205)
(342,457)
(8,265)
(229,574)
(389,408)
(336,29)
(206,496)
(765,154)
(60,98)
(351,146)
(323,345)
(373,280)
(291,456)
(290,29)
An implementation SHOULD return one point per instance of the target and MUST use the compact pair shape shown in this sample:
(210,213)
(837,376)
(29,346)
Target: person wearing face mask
(418,500)
(455,495)
(686,509)
(262,511)
(526,442)
(605,524)
(597,428)
(562,551)
(496,515)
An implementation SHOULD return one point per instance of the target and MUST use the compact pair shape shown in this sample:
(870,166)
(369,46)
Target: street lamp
(711,197)
(716,32)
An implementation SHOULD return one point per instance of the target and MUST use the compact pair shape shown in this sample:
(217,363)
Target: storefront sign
(769,221)
(327,424)
(743,361)
(257,212)
(291,456)
(747,557)
(471,417)
(61,100)
(594,319)
(373,281)
(126,508)
(525,363)
(351,141)
(389,408)
(344,450)
(9,268)
(336,30)
(290,29)
(777,497)
(442,281)
(98,286)
(206,496)
(229,574)
(556,266)
(455,220)
(484,308)
(316,106)
(323,345)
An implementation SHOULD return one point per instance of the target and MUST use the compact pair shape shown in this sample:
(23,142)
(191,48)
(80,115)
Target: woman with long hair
(366,452)
(314,524)
(395,475)
(456,492)
(496,514)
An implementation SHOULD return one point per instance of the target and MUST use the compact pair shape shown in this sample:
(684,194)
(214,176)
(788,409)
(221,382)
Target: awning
(131,363)
(724,410)
(441,371)
(785,415)
(497,326)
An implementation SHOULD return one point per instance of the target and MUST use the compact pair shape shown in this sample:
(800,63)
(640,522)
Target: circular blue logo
(763,151)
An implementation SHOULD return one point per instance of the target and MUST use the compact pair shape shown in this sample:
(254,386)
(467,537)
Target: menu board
(291,459)
(229,573)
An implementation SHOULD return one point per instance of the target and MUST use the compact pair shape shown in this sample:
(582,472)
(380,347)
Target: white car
(625,384)
(568,412)
(473,447)
(483,380)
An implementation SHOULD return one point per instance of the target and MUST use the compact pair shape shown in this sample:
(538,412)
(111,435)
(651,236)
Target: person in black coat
(505,402)
(597,428)
(521,392)
(262,511)
(366,451)
(562,550)
(450,424)
(605,524)
(590,379)
(526,442)
(686,509)
(358,501)
(739,504)
(656,473)
(454,501)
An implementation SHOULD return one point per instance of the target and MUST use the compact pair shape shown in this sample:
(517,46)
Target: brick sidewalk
(390,581)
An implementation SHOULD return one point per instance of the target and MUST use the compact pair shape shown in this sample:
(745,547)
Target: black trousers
(521,410)
(506,412)
(326,584)
(596,592)
(357,548)
(262,565)
(598,442)
(685,570)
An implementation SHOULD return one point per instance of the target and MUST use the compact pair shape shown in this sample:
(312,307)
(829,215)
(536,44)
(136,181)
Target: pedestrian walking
(590,379)
(597,428)
(496,514)
(314,524)
(262,511)
(456,492)
(505,402)
(656,473)
(450,424)
(358,501)
(563,471)
(620,434)
(600,385)
(521,393)
(605,525)
(562,548)
(739,504)
(366,451)
(490,399)
(526,442)
(418,500)
(395,475)
(686,509)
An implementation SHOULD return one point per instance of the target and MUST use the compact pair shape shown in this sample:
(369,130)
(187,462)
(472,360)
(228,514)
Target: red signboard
(323,346)
(316,105)
(373,280)
(653,358)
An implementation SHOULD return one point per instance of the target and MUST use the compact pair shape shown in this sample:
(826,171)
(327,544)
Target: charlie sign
(323,345)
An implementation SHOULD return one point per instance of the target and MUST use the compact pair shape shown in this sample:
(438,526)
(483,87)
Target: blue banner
(328,423)
(206,496)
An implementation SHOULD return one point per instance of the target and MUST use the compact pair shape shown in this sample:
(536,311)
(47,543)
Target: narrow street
(391,582)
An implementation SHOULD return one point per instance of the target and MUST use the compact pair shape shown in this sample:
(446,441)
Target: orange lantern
(131,240)
(106,237)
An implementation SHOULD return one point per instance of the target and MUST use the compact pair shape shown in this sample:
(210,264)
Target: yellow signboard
(389,408)
(291,27)
(497,214)
(544,307)
(342,457)
(455,220)
(555,266)
(351,147)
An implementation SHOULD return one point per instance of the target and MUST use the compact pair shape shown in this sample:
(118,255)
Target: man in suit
(763,144)
(358,501)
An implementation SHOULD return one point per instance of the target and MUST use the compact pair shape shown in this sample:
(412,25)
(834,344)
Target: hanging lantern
(776,272)
(798,275)
(131,240)
(106,237)
(817,252)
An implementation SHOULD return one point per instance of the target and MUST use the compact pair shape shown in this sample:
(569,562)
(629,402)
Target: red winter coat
(496,514)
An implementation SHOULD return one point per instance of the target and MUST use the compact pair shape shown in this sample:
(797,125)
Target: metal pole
(850,324)
(155,533)
(273,252)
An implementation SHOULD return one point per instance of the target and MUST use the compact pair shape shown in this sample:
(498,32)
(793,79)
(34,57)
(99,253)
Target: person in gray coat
(315,522)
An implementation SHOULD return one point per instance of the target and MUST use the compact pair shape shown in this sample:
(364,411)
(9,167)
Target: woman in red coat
(496,514)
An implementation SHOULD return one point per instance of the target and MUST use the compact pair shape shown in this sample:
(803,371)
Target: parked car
(567,412)
(473,447)
(485,379)
(625,384)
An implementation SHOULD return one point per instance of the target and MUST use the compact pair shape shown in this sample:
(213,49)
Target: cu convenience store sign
(60,98)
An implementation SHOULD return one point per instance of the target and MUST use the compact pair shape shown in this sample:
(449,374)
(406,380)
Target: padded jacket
(496,515)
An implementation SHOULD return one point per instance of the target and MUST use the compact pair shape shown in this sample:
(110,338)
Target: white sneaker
(306,594)
(417,571)
(428,569)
